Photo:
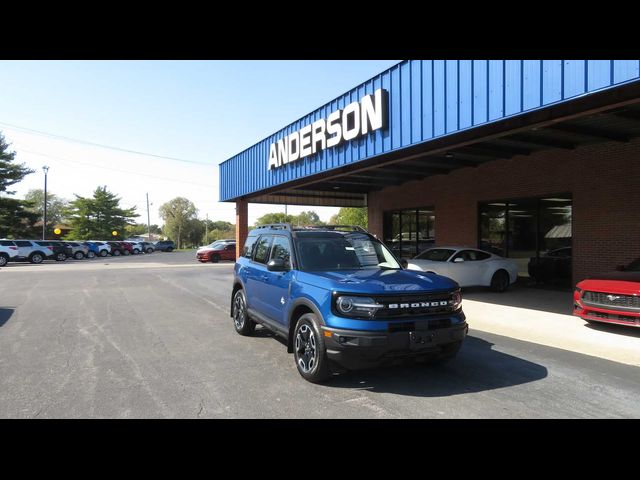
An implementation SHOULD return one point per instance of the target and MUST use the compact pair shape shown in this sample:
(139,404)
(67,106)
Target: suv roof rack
(352,228)
(276,226)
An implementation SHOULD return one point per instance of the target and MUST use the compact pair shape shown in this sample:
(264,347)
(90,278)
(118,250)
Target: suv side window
(262,249)
(23,243)
(247,251)
(6,243)
(282,250)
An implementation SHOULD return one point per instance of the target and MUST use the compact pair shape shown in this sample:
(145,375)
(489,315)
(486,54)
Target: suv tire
(215,258)
(241,321)
(309,350)
(61,257)
(169,249)
(116,253)
(149,250)
(91,254)
(78,255)
(4,259)
(36,257)
(103,253)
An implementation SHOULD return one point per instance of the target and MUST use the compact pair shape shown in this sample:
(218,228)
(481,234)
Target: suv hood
(377,281)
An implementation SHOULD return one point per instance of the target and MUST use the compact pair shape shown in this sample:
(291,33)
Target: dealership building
(529,159)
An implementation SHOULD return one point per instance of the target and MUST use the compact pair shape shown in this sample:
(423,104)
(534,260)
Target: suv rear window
(6,243)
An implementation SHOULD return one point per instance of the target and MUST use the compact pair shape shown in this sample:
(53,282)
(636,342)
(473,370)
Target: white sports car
(467,266)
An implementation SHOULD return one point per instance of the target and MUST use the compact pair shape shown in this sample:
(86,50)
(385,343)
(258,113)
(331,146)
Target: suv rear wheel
(215,258)
(241,321)
(78,255)
(309,350)
(103,253)
(4,259)
(36,257)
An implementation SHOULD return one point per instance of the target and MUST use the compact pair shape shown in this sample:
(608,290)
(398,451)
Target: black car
(555,265)
(165,246)
(117,248)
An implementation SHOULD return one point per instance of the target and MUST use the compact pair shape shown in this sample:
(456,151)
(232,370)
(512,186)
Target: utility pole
(148,220)
(45,169)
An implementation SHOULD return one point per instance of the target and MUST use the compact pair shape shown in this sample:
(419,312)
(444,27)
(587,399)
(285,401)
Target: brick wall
(603,179)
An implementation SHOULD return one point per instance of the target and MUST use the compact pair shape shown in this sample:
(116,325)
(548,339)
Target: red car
(610,297)
(217,251)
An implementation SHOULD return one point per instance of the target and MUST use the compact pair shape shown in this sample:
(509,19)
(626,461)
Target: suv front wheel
(309,350)
(241,321)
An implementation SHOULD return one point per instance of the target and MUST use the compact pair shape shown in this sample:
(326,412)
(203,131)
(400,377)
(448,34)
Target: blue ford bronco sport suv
(342,300)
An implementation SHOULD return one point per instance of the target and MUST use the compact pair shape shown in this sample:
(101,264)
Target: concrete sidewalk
(544,317)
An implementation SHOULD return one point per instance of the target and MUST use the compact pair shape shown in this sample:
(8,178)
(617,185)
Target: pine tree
(96,218)
(15,219)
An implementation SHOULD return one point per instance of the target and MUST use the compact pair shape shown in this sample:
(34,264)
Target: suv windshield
(337,251)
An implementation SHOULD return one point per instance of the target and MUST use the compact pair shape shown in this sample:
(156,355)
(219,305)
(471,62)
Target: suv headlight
(456,300)
(357,306)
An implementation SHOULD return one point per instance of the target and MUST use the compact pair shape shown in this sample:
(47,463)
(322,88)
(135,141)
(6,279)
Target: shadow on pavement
(5,315)
(521,296)
(477,368)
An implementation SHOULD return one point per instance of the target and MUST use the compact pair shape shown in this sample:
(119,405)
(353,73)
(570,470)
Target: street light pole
(45,169)
(148,220)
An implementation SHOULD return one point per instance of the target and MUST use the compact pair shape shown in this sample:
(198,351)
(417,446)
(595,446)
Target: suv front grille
(626,302)
(396,306)
(419,325)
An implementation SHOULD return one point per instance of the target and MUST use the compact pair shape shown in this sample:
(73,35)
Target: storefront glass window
(535,233)
(409,232)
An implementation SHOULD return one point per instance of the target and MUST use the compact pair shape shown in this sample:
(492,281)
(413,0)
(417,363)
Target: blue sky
(201,111)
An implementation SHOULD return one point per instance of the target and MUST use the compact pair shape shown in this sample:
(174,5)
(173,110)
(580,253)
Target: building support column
(242,225)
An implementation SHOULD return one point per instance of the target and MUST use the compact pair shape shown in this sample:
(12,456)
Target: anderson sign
(355,120)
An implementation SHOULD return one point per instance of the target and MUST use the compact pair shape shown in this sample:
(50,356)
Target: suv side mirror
(404,263)
(458,260)
(277,265)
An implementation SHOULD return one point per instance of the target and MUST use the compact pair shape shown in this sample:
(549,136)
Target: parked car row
(37,251)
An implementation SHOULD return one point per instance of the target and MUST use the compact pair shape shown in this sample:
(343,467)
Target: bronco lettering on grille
(440,303)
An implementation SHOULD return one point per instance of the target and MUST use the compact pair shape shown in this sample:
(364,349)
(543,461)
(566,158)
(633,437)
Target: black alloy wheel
(241,321)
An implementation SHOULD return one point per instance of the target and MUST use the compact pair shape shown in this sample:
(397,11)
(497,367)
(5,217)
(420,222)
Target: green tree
(97,217)
(351,216)
(141,229)
(305,219)
(274,218)
(15,218)
(56,207)
(177,215)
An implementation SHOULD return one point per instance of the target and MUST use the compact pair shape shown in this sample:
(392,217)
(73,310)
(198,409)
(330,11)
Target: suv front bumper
(357,349)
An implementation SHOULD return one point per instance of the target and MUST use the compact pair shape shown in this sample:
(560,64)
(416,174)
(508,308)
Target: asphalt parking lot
(150,337)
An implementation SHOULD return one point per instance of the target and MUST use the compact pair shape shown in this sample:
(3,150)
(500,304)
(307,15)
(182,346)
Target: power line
(114,169)
(85,142)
